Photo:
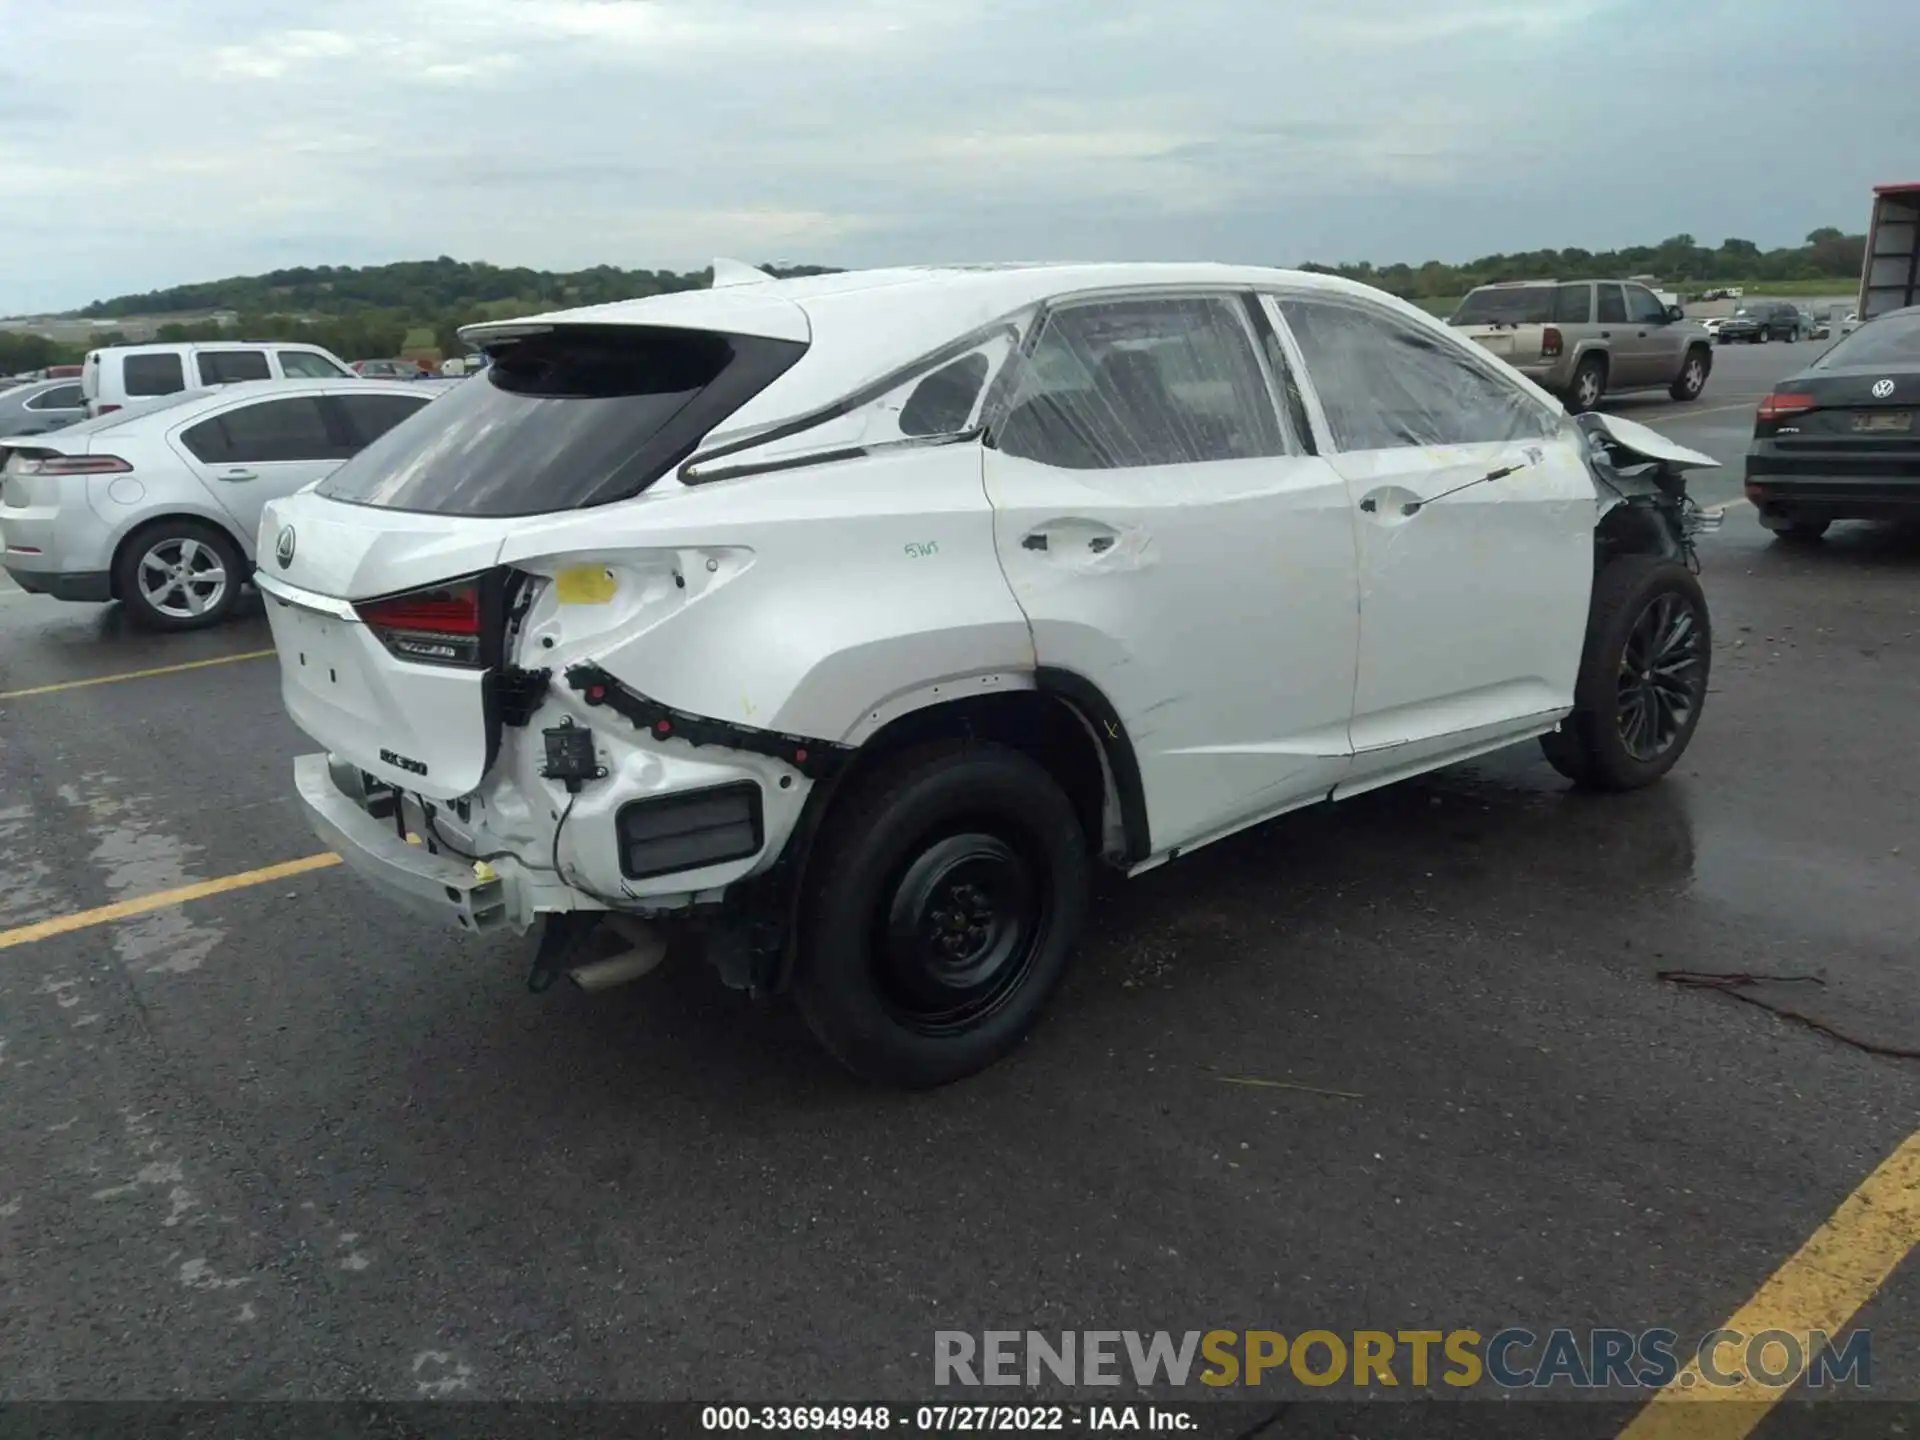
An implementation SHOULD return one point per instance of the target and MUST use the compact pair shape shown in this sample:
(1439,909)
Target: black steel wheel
(943,899)
(1643,676)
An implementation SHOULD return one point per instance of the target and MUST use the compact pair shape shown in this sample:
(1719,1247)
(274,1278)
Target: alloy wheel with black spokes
(178,575)
(1643,676)
(1660,672)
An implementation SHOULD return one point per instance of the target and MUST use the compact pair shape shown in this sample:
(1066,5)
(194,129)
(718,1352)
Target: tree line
(416,306)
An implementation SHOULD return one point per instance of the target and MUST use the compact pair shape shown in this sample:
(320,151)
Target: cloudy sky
(145,143)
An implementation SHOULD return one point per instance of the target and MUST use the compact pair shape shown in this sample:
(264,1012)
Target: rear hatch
(388,606)
(1508,320)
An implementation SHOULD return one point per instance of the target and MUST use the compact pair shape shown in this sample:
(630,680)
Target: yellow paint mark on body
(584,585)
(134,675)
(1821,1288)
(161,900)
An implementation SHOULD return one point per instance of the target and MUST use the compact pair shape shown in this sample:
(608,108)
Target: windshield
(578,416)
(1517,305)
(1892,340)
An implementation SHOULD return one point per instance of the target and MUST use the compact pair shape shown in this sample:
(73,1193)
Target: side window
(1573,305)
(226,367)
(1644,307)
(305,365)
(371,416)
(261,434)
(1119,384)
(1385,383)
(153,374)
(1613,305)
(61,397)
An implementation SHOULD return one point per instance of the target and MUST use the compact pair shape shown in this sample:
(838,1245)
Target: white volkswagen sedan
(156,505)
(851,621)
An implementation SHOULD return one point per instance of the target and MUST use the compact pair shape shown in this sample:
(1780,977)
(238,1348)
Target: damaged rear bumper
(470,897)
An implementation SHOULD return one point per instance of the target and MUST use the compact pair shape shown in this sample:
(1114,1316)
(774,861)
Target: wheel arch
(1062,720)
(148,523)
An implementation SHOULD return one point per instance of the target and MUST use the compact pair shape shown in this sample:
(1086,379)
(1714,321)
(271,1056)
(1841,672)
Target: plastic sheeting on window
(1130,383)
(1387,383)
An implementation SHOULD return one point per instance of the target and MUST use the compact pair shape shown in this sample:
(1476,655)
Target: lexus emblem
(1882,389)
(283,549)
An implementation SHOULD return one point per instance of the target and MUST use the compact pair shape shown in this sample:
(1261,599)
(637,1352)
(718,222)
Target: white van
(119,374)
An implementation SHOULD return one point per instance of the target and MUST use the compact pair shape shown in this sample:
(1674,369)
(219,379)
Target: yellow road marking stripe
(161,900)
(1820,1288)
(134,674)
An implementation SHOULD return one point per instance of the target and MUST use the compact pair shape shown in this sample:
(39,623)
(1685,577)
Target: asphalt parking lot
(1401,1064)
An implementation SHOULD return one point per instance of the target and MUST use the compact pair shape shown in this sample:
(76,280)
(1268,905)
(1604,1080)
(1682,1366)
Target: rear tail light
(106,409)
(1782,404)
(437,625)
(68,465)
(1756,494)
(1551,343)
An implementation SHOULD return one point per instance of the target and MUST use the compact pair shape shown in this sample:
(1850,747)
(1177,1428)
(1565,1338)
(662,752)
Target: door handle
(1035,541)
(1369,505)
(238,473)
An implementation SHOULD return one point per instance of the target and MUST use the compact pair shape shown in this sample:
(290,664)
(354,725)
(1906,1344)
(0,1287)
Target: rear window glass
(153,374)
(1892,340)
(1519,305)
(579,416)
(226,367)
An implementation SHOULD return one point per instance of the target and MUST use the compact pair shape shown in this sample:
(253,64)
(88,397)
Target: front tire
(948,890)
(178,575)
(1643,677)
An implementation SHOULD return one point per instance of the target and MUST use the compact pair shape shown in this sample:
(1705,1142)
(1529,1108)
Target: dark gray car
(40,406)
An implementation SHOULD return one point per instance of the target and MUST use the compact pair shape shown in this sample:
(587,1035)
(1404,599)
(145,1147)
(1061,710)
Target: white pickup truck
(1583,339)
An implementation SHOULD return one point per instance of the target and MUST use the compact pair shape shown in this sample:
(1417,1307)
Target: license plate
(1885,422)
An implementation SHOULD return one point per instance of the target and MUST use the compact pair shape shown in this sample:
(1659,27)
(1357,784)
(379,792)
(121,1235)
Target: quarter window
(228,367)
(305,365)
(1129,383)
(61,397)
(263,434)
(1573,305)
(371,416)
(160,374)
(1386,383)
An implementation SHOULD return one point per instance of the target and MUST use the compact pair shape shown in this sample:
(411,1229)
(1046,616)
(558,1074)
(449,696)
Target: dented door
(1171,543)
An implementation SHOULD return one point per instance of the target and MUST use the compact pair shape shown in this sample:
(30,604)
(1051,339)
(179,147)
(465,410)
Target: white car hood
(1631,435)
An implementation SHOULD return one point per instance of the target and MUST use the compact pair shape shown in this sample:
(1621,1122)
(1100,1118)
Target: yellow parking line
(161,900)
(134,674)
(1820,1288)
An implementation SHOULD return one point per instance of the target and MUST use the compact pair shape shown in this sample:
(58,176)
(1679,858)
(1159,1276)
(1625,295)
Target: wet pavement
(284,1142)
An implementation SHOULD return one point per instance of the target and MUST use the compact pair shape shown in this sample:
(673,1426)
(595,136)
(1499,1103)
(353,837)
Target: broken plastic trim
(814,759)
(694,471)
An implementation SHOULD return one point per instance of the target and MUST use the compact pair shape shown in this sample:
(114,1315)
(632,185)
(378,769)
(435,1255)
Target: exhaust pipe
(649,949)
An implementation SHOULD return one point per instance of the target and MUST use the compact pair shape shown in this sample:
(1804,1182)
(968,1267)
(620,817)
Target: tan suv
(1582,339)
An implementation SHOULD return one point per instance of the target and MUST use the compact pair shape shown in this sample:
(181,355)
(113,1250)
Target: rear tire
(1643,677)
(1693,375)
(178,574)
(1588,386)
(946,893)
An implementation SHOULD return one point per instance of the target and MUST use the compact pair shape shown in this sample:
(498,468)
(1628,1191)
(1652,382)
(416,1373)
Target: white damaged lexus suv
(847,623)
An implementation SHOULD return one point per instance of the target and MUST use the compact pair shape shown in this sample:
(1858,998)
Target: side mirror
(1674,312)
